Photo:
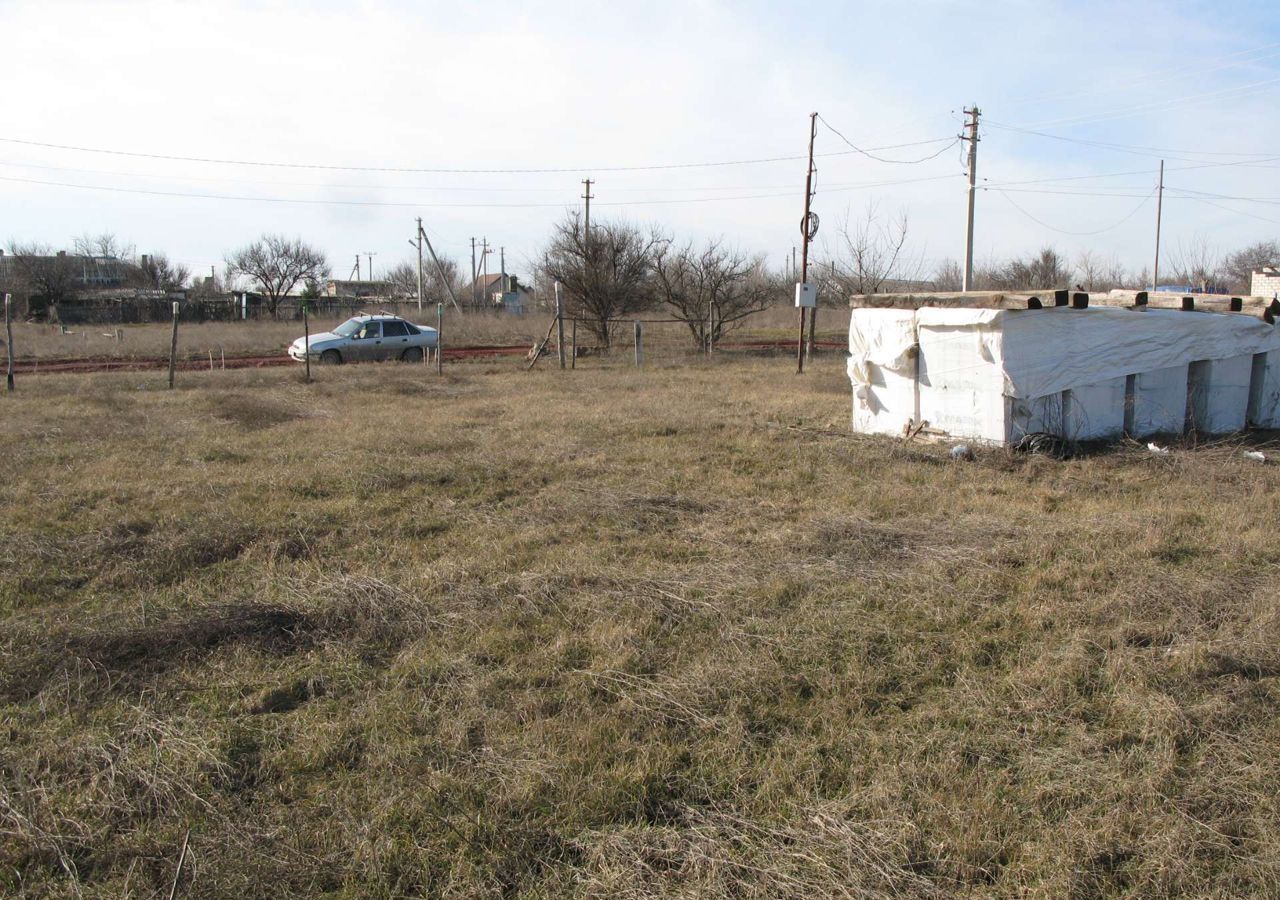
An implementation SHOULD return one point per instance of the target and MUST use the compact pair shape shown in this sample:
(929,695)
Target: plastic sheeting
(1082,374)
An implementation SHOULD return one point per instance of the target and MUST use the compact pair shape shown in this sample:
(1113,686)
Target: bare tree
(1238,268)
(157,272)
(605,275)
(712,290)
(276,265)
(1046,270)
(41,272)
(404,279)
(1195,264)
(948,276)
(872,256)
(105,245)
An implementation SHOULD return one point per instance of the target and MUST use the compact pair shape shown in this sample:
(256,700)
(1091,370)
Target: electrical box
(807,296)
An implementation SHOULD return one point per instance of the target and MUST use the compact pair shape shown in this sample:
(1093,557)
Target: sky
(361,116)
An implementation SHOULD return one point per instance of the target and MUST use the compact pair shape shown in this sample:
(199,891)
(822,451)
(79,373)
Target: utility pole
(419,235)
(474,273)
(444,276)
(371,254)
(807,235)
(972,127)
(484,261)
(1155,269)
(357,267)
(586,228)
(502,263)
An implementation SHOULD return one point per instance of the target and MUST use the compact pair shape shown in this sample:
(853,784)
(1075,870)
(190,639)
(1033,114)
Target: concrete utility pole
(371,254)
(806,235)
(484,262)
(502,263)
(586,228)
(1155,269)
(972,127)
(419,264)
(474,272)
(357,267)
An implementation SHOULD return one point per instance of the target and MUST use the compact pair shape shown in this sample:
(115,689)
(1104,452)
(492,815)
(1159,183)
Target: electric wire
(870,155)
(454,171)
(1044,224)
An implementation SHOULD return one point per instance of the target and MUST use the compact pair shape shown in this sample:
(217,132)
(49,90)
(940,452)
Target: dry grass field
(617,633)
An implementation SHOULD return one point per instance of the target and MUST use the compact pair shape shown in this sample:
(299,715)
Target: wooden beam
(1265,308)
(948,300)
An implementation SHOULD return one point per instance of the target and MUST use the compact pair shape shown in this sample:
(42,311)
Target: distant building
(1266,282)
(87,272)
(357,289)
(503,292)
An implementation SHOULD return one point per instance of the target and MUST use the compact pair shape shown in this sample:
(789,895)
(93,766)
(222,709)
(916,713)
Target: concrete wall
(1266,282)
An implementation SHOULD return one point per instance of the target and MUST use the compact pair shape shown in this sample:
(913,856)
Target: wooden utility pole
(419,264)
(972,127)
(173,344)
(475,273)
(573,358)
(448,285)
(1155,269)
(8,341)
(806,233)
(559,325)
(586,227)
(639,345)
(306,340)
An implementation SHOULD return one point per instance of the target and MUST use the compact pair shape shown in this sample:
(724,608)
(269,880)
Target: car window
(394,329)
(370,330)
(347,328)
(413,329)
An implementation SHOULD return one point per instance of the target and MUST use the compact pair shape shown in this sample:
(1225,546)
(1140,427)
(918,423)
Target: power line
(1112,227)
(450,171)
(1157,152)
(1161,106)
(870,155)
(1180,70)
(407,204)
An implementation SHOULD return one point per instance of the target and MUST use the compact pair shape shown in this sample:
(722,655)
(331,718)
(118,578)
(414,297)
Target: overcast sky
(596,87)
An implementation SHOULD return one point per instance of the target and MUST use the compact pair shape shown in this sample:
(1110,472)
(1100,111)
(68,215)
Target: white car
(367,337)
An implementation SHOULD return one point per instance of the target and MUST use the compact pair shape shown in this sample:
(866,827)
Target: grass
(617,633)
(34,341)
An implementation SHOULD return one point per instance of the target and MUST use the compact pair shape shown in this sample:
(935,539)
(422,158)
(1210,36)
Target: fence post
(559,326)
(639,346)
(306,338)
(8,341)
(439,338)
(173,344)
(573,360)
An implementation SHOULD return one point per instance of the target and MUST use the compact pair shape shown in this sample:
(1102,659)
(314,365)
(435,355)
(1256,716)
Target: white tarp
(997,374)
(1045,351)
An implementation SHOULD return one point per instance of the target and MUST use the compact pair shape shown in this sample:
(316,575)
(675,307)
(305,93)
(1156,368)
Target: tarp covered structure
(1082,374)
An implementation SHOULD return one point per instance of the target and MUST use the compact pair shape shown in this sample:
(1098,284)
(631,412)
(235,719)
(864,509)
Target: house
(357,289)
(1265,282)
(504,292)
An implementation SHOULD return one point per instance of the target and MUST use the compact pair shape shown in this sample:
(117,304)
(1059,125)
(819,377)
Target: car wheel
(413,354)
(330,358)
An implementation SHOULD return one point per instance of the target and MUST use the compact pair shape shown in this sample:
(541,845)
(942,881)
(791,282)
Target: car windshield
(348,328)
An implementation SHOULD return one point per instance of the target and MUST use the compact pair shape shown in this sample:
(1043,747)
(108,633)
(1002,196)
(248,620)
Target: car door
(395,338)
(367,342)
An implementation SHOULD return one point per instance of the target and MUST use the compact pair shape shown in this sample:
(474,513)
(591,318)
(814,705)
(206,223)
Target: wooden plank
(1265,308)
(951,300)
